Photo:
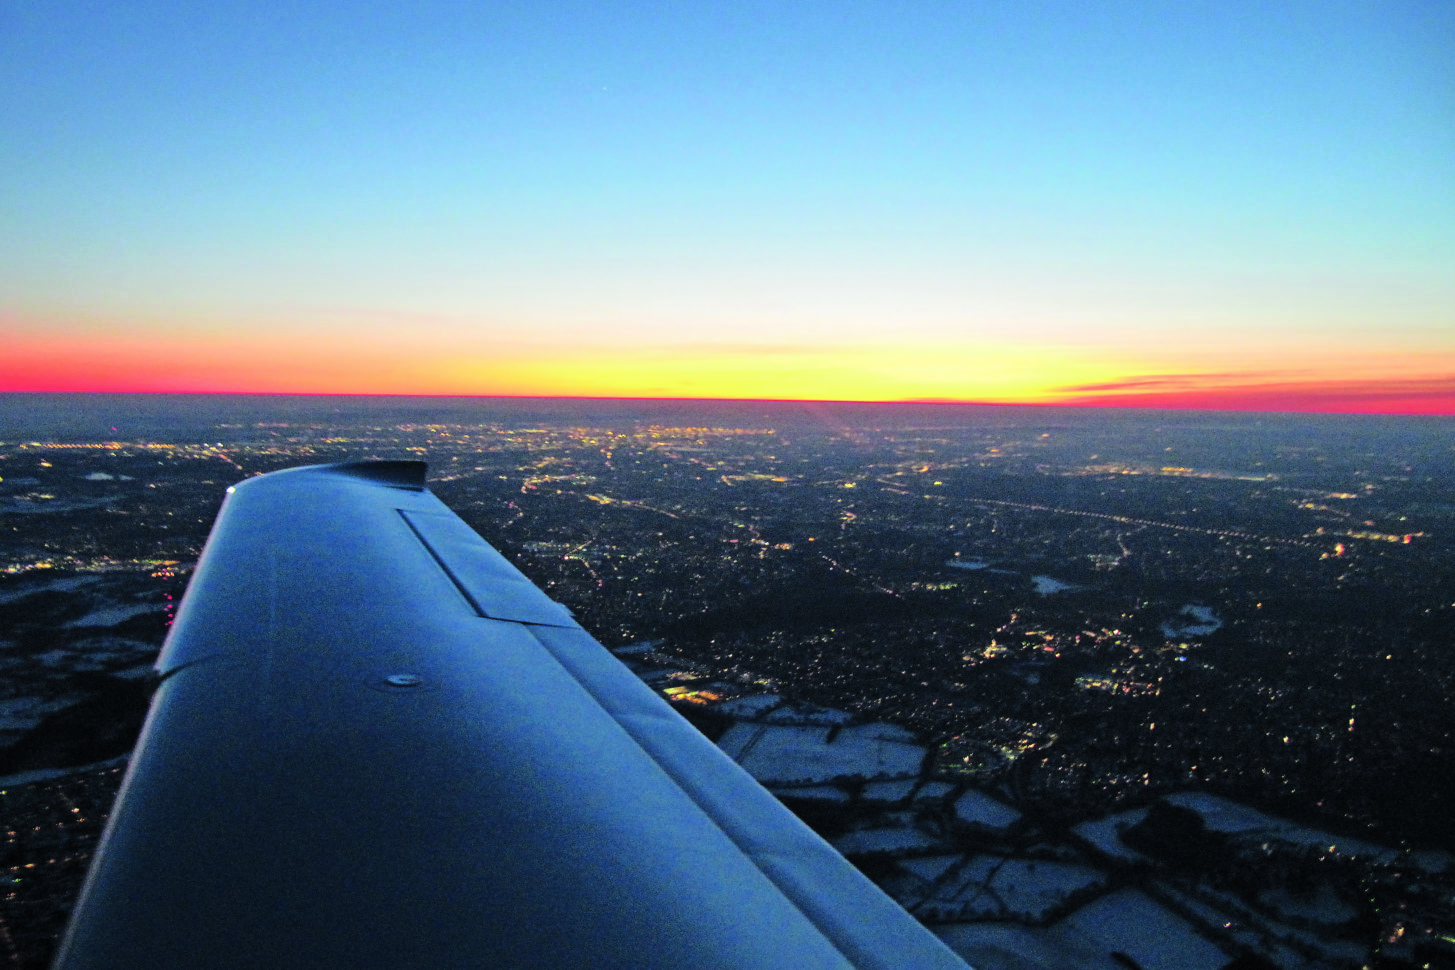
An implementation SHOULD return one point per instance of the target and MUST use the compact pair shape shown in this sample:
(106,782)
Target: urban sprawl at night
(1034,670)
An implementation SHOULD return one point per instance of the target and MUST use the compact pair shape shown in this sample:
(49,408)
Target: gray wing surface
(376,744)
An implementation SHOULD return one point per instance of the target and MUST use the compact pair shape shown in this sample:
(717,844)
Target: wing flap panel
(492,584)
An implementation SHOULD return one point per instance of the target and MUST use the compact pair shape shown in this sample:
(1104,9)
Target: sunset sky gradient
(1207,204)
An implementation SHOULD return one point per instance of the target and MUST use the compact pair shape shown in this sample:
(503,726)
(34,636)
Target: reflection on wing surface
(376,744)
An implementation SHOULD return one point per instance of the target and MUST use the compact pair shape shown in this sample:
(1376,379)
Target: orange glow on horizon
(324,364)
(984,373)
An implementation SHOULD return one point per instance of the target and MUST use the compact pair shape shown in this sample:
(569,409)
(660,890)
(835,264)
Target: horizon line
(1081,404)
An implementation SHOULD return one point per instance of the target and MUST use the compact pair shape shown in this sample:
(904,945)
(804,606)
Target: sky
(1220,204)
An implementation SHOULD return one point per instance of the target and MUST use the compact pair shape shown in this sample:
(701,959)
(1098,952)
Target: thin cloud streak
(1414,395)
(1193,381)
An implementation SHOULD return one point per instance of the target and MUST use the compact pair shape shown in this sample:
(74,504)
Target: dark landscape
(1202,659)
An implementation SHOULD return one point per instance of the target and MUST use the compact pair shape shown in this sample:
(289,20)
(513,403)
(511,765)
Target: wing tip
(396,474)
(387,472)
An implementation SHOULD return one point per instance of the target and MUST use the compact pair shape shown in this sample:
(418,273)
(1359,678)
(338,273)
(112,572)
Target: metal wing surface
(376,744)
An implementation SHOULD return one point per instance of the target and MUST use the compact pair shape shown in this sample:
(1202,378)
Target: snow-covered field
(897,839)
(796,714)
(932,790)
(994,887)
(1128,921)
(112,615)
(1222,815)
(929,867)
(788,754)
(20,713)
(1103,834)
(1046,585)
(1032,887)
(1006,946)
(978,808)
(749,707)
(889,791)
(66,584)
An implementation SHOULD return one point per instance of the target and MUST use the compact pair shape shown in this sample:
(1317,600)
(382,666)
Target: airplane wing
(376,744)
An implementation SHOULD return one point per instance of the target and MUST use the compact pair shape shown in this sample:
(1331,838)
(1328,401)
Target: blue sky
(1160,186)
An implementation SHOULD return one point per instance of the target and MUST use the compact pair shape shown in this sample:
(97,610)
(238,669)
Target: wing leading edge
(376,744)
